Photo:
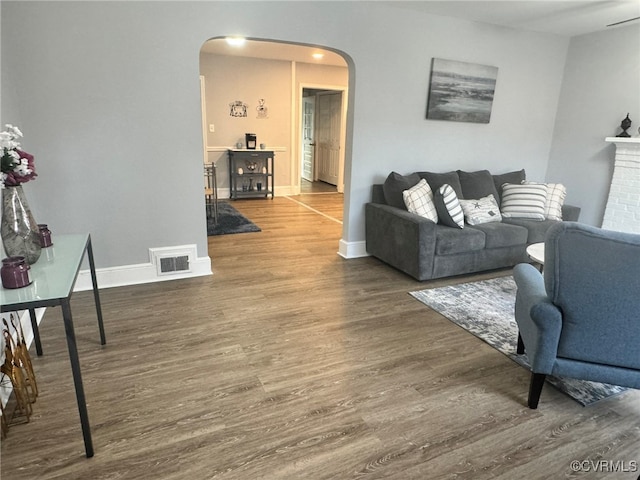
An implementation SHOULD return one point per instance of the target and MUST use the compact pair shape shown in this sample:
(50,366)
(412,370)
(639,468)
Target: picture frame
(460,91)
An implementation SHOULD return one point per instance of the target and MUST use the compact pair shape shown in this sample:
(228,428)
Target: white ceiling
(559,17)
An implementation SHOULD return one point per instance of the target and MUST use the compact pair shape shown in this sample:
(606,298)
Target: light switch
(212,128)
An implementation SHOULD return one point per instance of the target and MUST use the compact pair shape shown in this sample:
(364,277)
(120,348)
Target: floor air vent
(173,260)
(174,264)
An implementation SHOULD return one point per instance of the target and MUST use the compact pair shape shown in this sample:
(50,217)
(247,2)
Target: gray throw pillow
(477,184)
(436,180)
(394,185)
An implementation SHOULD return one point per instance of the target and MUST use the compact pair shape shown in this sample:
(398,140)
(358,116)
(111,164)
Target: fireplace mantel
(623,205)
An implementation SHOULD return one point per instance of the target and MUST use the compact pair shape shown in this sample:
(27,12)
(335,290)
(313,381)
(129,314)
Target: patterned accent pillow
(419,200)
(556,193)
(448,207)
(483,210)
(523,201)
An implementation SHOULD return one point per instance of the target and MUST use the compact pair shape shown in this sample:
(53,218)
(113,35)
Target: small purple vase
(15,272)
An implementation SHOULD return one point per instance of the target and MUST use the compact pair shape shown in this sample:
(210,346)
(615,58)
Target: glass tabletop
(52,276)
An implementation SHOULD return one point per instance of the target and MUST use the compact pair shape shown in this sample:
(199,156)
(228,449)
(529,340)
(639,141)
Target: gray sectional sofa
(427,250)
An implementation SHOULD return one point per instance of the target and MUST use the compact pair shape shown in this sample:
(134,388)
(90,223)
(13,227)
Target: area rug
(230,221)
(486,309)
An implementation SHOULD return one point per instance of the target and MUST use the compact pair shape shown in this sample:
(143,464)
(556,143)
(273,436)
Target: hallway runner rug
(230,221)
(486,309)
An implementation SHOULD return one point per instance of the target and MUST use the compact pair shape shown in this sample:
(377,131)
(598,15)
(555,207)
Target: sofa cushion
(450,241)
(537,230)
(523,201)
(394,185)
(477,184)
(482,210)
(516,177)
(436,180)
(419,200)
(498,234)
(448,207)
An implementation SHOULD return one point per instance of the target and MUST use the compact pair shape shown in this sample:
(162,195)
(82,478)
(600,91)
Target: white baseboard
(352,249)
(140,273)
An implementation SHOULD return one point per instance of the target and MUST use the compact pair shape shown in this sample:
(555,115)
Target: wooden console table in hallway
(53,277)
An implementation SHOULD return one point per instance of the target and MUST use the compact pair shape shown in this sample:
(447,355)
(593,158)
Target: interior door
(329,114)
(308,146)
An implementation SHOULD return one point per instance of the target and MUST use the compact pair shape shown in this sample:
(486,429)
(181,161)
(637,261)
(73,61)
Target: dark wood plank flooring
(291,362)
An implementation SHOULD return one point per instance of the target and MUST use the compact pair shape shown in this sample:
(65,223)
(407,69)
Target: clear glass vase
(19,230)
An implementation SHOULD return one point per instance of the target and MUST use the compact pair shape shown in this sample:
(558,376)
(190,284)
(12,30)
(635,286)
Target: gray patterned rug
(485,309)
(230,221)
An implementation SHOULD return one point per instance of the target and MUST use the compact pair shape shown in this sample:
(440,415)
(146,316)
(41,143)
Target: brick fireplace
(623,205)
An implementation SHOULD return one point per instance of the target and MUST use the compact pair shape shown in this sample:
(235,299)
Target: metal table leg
(77,377)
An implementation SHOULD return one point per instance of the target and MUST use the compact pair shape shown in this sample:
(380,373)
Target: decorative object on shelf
(624,125)
(238,109)
(45,235)
(263,146)
(15,272)
(263,111)
(239,145)
(250,139)
(461,92)
(19,230)
(251,166)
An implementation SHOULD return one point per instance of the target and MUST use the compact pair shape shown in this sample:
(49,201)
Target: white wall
(113,113)
(601,85)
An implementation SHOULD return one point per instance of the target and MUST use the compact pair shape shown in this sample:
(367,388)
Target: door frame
(296,166)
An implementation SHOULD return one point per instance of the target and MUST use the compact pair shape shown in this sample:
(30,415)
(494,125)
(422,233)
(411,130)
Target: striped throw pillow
(523,201)
(448,207)
(556,193)
(419,200)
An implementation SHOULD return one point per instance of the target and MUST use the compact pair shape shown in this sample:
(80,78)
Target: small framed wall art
(460,91)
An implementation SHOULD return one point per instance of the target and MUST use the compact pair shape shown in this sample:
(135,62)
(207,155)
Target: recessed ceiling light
(318,56)
(235,41)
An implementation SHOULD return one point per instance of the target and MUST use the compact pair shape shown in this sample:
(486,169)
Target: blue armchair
(581,318)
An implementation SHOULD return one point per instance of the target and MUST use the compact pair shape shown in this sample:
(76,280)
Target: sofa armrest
(570,213)
(404,240)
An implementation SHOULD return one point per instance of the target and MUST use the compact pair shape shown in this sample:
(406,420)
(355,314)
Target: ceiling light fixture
(235,41)
(318,56)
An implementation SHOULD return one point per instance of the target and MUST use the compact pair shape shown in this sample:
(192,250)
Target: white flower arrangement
(16,165)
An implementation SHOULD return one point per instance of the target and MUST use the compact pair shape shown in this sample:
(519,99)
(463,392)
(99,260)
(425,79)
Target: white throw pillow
(556,193)
(483,210)
(419,200)
(523,201)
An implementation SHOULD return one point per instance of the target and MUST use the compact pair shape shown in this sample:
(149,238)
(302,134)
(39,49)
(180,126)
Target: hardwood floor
(291,362)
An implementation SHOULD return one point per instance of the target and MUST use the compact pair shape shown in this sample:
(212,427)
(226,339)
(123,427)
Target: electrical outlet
(212,128)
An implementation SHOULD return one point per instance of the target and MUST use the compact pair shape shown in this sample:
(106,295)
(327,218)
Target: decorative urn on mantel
(623,205)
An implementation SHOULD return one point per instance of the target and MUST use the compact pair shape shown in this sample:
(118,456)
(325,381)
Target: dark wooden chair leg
(535,389)
(520,347)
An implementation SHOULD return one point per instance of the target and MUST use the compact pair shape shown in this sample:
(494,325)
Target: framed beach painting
(460,91)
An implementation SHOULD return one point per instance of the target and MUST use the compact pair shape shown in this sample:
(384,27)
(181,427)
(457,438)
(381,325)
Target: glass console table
(53,277)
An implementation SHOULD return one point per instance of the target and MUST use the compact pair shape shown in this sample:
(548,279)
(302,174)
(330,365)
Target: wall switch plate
(212,128)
